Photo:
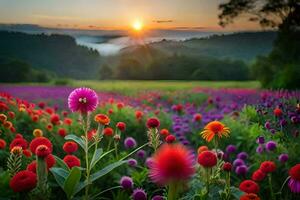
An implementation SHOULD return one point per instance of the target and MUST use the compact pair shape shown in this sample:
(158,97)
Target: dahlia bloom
(294,182)
(214,128)
(42,151)
(2,144)
(83,100)
(267,167)
(71,161)
(70,147)
(102,119)
(170,138)
(21,142)
(227,166)
(249,196)
(23,181)
(258,175)
(121,126)
(153,123)
(249,186)
(207,159)
(40,141)
(171,163)
(202,148)
(108,131)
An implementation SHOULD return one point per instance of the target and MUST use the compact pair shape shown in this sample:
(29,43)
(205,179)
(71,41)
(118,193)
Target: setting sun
(137,25)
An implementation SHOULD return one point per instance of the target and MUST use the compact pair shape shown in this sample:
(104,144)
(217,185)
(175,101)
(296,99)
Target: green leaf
(71,182)
(106,170)
(61,163)
(60,175)
(77,139)
(99,174)
(236,193)
(96,157)
(102,155)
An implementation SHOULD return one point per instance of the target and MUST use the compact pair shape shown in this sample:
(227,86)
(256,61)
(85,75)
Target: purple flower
(260,149)
(271,146)
(230,149)
(132,162)
(126,182)
(242,155)
(283,157)
(294,185)
(83,100)
(139,194)
(141,154)
(268,125)
(283,122)
(260,140)
(129,143)
(158,197)
(237,162)
(241,170)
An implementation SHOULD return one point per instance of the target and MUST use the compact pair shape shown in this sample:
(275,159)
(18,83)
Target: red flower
(11,114)
(2,144)
(202,148)
(54,119)
(21,142)
(267,167)
(170,138)
(258,175)
(138,114)
(23,181)
(27,153)
(110,111)
(70,147)
(171,163)
(227,166)
(71,161)
(32,167)
(102,119)
(35,118)
(207,159)
(164,132)
(50,160)
(197,117)
(250,196)
(121,126)
(277,112)
(42,104)
(62,132)
(120,105)
(153,123)
(42,151)
(295,172)
(249,186)
(91,133)
(49,127)
(68,121)
(40,141)
(108,131)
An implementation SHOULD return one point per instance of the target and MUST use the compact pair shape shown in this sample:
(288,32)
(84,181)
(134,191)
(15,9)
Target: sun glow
(137,25)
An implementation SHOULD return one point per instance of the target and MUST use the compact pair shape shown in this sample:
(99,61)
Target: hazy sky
(116,14)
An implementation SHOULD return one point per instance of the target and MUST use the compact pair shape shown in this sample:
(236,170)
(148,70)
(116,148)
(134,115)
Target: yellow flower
(214,128)
(37,132)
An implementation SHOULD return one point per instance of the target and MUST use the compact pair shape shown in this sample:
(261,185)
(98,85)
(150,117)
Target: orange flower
(214,128)
(102,119)
(3,118)
(7,124)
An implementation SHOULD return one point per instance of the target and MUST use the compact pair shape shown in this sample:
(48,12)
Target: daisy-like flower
(83,100)
(171,163)
(214,128)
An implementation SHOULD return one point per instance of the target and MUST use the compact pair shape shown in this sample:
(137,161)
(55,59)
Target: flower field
(62,142)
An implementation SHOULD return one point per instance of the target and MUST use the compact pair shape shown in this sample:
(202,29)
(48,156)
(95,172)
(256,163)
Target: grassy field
(135,86)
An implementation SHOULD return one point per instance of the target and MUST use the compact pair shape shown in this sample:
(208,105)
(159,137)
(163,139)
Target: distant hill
(56,53)
(237,46)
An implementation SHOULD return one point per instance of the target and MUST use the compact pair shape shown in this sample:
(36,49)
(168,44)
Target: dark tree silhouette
(281,68)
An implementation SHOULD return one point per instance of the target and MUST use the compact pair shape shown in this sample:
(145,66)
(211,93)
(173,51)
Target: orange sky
(118,14)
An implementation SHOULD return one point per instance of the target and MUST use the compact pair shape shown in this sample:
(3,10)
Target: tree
(280,69)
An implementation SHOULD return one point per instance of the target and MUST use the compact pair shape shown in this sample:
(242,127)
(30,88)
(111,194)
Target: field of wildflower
(66,142)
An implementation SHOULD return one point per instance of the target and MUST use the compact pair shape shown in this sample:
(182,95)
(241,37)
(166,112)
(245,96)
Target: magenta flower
(83,100)
(294,185)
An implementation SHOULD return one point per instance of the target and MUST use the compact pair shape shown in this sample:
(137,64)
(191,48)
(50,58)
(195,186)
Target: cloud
(189,28)
(163,21)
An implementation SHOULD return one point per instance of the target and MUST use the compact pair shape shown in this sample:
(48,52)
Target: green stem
(116,149)
(112,188)
(207,181)
(173,191)
(86,128)
(109,144)
(42,177)
(271,188)
(134,151)
(228,186)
